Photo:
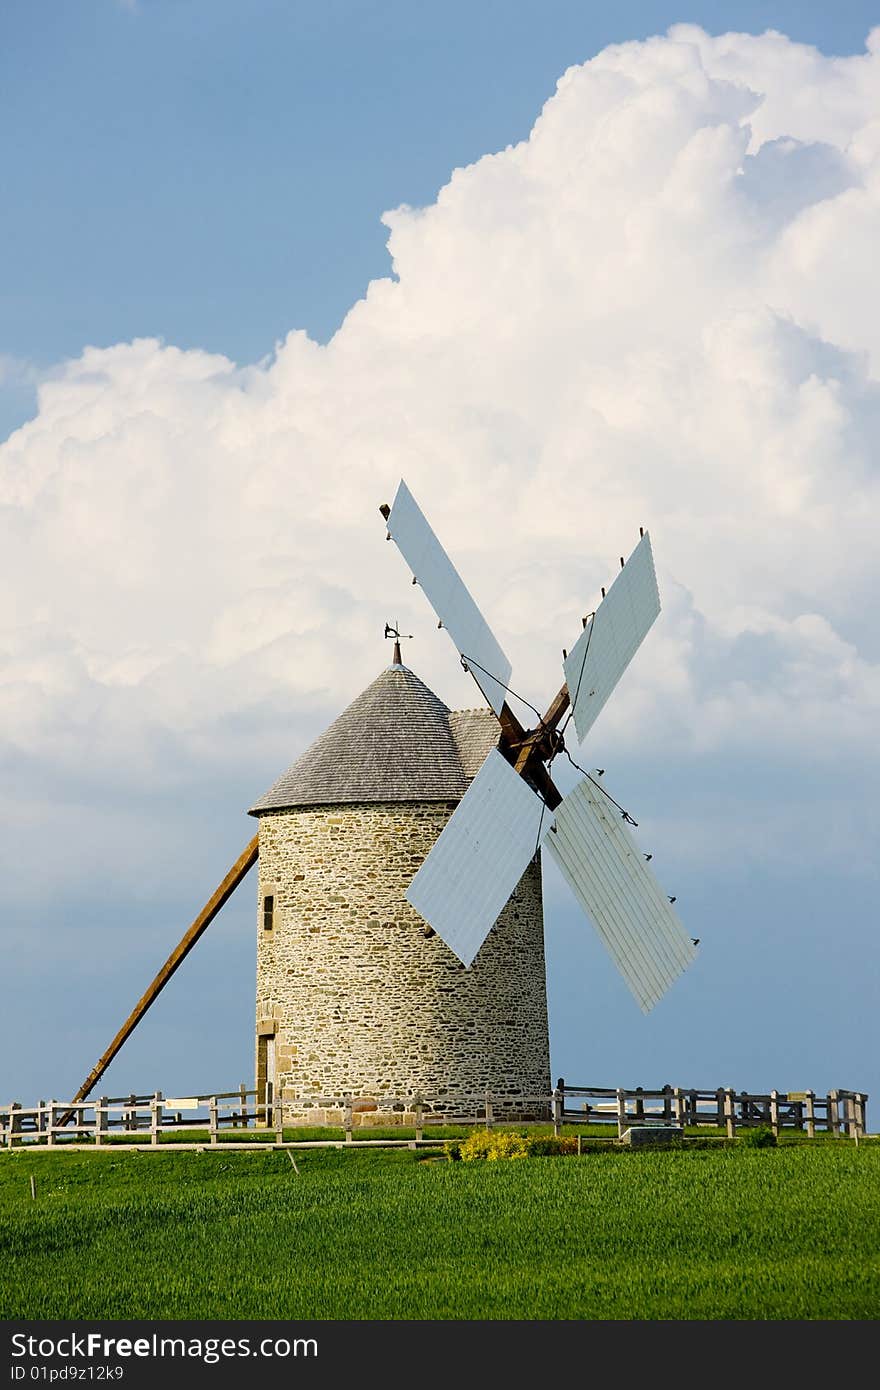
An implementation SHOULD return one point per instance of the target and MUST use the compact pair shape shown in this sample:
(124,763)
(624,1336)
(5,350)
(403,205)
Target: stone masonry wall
(363,1000)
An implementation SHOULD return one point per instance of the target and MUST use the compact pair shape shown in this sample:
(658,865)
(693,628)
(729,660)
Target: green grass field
(727,1233)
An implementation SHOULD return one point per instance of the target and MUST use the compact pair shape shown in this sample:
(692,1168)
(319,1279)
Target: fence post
(51,1126)
(242,1093)
(488,1106)
(861,1108)
(278,1101)
(774,1112)
(13,1127)
(854,1115)
(640,1103)
(346,1117)
(667,1104)
(419,1115)
(556,1109)
(156,1117)
(810,1113)
(212,1119)
(833,1113)
(100,1110)
(621,1112)
(678,1106)
(719,1107)
(730,1112)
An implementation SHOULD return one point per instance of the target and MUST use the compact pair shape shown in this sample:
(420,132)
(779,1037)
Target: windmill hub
(536,747)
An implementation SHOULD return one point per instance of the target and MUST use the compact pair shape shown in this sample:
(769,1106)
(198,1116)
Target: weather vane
(398,637)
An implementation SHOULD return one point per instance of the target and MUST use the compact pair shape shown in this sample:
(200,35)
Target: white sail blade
(447,595)
(479,857)
(612,637)
(608,875)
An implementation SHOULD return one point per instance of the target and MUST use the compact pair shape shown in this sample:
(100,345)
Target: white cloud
(658,310)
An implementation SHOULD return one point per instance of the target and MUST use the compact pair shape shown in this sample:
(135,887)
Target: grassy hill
(725,1233)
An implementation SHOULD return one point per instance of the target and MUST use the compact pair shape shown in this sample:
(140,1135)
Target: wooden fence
(143,1119)
(837,1112)
(118,1117)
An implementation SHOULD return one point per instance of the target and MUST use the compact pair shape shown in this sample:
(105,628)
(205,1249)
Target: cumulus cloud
(658,310)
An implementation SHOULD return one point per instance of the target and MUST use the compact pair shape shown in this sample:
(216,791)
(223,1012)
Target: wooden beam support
(521,749)
(243,863)
(524,754)
(537,774)
(557,709)
(512,732)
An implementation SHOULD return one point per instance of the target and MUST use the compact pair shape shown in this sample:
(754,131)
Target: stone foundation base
(382,1112)
(650,1134)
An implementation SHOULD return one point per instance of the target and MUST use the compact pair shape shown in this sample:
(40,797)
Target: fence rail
(114,1118)
(836,1112)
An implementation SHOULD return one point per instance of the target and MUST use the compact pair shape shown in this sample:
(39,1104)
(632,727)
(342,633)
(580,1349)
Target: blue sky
(214,173)
(213,176)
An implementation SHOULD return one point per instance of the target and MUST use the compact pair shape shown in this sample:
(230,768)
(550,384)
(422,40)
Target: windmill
(477,869)
(512,807)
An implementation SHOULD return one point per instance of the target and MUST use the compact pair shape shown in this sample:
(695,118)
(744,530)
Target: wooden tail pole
(245,861)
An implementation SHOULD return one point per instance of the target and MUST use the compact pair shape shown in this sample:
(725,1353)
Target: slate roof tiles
(396,742)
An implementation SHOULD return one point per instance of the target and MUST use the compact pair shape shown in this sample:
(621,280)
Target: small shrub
(498,1143)
(761,1137)
(548,1145)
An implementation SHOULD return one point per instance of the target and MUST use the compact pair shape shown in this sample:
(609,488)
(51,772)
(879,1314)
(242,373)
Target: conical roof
(396,742)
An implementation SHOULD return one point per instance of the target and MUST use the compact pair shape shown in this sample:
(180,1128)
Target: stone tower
(355,993)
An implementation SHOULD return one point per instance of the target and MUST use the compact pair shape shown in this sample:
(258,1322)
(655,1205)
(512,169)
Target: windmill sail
(612,637)
(608,875)
(500,823)
(447,595)
(479,857)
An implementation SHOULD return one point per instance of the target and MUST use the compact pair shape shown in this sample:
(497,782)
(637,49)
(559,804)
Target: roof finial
(396,634)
